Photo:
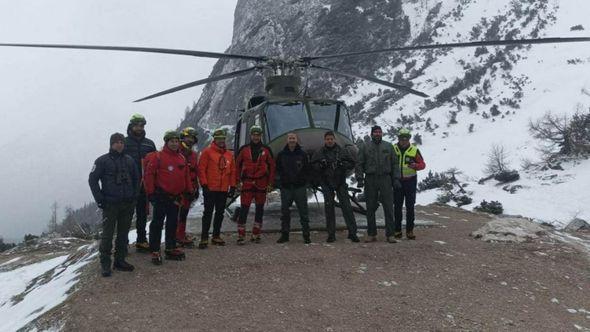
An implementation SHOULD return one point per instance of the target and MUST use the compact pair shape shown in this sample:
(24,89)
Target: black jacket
(292,168)
(118,176)
(332,165)
(137,148)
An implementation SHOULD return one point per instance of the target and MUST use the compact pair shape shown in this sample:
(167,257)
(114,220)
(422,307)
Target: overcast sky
(59,107)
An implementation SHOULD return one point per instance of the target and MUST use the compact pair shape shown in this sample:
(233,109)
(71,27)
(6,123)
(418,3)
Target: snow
(554,86)
(31,290)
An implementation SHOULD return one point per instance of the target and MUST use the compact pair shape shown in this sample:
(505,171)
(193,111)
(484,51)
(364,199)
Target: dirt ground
(445,280)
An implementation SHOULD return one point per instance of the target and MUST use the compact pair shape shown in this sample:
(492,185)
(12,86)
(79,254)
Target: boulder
(577,225)
(509,230)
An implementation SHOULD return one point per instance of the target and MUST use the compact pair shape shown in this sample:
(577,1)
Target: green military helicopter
(285,108)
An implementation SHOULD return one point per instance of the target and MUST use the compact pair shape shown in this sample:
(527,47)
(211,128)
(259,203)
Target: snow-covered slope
(494,90)
(550,78)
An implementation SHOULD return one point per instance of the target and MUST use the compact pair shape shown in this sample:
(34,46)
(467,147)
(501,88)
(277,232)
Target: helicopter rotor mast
(289,67)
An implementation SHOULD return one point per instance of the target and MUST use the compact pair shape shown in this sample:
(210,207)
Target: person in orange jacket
(217,176)
(255,174)
(166,180)
(188,137)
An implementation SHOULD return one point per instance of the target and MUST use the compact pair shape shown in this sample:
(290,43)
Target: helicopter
(285,108)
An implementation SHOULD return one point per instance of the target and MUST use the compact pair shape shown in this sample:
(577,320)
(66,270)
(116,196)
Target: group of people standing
(134,174)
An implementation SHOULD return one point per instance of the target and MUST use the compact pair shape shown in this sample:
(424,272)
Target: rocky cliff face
(292,28)
(315,27)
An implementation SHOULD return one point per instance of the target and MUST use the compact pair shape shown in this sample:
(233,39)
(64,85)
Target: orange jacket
(166,171)
(217,169)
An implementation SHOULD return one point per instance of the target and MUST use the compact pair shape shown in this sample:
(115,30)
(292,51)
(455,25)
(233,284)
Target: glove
(360,183)
(412,165)
(396,184)
(231,192)
(323,164)
(100,205)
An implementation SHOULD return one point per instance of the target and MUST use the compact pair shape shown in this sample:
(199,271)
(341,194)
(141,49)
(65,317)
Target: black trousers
(213,201)
(141,216)
(299,196)
(408,194)
(115,217)
(167,209)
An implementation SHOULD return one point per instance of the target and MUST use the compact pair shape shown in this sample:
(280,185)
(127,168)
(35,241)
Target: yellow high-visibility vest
(406,159)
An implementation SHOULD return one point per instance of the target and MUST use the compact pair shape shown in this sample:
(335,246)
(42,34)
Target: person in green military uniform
(378,171)
(410,162)
(331,163)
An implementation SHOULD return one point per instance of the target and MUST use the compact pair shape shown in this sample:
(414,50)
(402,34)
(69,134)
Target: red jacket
(167,171)
(217,169)
(192,161)
(257,173)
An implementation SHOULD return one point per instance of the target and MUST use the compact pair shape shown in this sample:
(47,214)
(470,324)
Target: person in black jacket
(332,162)
(116,196)
(138,146)
(292,170)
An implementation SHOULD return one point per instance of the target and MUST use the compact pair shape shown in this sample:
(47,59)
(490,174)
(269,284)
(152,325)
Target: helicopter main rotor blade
(373,79)
(143,49)
(457,45)
(199,82)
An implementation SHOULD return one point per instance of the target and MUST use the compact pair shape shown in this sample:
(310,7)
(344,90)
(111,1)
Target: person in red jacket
(166,180)
(217,176)
(255,174)
(188,137)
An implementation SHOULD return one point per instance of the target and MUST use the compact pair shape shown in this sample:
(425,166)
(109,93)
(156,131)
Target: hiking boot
(410,235)
(156,258)
(142,247)
(391,239)
(397,235)
(218,241)
(203,244)
(331,238)
(106,273)
(284,238)
(256,238)
(306,239)
(241,241)
(371,238)
(123,266)
(185,243)
(174,254)
(354,238)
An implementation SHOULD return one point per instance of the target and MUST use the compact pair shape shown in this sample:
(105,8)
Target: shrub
(433,181)
(493,207)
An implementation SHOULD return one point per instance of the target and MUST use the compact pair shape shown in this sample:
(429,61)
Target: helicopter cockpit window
(344,122)
(323,114)
(284,117)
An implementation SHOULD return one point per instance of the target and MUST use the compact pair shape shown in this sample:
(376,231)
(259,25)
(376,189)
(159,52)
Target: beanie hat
(255,129)
(117,137)
(375,128)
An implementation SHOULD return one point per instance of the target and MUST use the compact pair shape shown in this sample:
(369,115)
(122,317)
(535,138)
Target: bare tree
(497,160)
(555,131)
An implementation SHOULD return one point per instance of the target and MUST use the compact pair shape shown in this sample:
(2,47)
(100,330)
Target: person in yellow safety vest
(411,161)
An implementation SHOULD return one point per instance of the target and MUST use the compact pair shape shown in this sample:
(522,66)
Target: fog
(59,107)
